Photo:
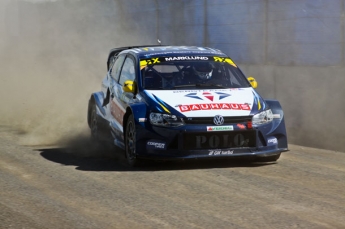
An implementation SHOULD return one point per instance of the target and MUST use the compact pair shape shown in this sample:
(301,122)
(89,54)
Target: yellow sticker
(143,63)
(149,62)
(224,59)
(155,60)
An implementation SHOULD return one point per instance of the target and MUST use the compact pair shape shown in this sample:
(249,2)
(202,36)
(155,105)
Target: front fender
(140,113)
(278,129)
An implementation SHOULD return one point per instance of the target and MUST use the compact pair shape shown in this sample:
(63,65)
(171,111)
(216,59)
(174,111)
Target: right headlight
(263,117)
(159,119)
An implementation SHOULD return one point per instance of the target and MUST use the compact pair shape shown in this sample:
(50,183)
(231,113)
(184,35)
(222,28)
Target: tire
(130,142)
(269,158)
(94,124)
(99,139)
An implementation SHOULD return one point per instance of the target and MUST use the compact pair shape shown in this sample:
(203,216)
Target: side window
(115,71)
(111,62)
(128,71)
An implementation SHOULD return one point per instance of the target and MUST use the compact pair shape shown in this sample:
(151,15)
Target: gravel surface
(81,187)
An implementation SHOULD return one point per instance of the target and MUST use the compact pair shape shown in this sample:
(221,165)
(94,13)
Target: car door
(109,83)
(120,99)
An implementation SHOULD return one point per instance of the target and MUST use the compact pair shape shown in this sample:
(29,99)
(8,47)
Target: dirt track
(79,187)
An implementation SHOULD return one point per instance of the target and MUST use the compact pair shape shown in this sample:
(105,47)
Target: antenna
(159,42)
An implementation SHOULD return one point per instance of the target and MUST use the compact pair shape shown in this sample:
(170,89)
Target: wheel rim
(130,141)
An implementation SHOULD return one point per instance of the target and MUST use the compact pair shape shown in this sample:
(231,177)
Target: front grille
(219,140)
(209,120)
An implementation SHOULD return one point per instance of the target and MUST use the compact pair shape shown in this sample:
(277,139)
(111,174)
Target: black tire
(130,142)
(94,124)
(99,139)
(269,158)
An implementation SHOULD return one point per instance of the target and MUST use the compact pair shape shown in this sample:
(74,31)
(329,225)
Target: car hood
(207,103)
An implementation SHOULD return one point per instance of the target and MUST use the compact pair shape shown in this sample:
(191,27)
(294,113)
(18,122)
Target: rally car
(179,102)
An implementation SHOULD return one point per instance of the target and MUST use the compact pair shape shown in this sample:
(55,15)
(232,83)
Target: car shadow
(81,152)
(112,159)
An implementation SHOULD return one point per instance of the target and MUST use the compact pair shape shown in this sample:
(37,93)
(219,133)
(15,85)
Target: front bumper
(167,143)
(211,153)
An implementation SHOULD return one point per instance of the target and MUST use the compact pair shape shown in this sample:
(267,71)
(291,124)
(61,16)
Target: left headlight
(159,119)
(263,117)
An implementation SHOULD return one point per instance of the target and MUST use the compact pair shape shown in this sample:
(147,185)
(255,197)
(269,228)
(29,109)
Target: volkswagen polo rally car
(178,102)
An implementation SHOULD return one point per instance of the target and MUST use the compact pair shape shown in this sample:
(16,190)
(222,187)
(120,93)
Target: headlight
(165,120)
(263,117)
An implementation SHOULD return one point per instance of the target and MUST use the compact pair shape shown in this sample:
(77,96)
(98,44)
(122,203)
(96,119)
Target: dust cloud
(53,56)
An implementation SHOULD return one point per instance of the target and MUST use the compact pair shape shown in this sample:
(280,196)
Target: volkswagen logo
(218,120)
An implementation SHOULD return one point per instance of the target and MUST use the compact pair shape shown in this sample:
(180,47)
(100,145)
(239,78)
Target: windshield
(190,72)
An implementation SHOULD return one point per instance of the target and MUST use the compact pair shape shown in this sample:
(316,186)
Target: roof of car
(148,51)
(151,51)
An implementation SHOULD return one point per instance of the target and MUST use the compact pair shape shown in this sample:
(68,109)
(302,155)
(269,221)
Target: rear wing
(114,52)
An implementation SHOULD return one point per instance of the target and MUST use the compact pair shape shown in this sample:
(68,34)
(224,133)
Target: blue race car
(179,102)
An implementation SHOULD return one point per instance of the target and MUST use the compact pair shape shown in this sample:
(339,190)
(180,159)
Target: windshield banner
(158,60)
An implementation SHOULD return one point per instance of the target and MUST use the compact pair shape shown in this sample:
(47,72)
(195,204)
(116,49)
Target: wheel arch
(95,99)
(138,110)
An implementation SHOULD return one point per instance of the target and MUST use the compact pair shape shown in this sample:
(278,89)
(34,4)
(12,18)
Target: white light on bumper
(263,117)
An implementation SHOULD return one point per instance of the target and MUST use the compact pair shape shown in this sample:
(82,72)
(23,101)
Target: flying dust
(53,56)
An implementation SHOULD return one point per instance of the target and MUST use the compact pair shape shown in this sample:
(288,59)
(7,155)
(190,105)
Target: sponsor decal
(220,128)
(142,119)
(220,152)
(224,141)
(155,145)
(241,126)
(214,106)
(158,60)
(149,61)
(186,58)
(224,59)
(208,95)
(272,141)
(200,91)
(117,111)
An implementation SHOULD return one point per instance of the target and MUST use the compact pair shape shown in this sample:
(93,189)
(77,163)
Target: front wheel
(130,140)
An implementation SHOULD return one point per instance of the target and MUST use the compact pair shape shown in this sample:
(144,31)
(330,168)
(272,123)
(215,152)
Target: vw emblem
(218,120)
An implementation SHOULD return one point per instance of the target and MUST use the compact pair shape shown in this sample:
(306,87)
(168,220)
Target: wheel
(99,139)
(94,124)
(269,158)
(130,142)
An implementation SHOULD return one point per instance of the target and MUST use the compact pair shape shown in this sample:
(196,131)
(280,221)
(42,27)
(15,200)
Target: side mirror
(129,86)
(252,81)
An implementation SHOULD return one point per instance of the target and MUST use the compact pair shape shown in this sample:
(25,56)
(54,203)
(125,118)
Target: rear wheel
(269,158)
(94,124)
(130,140)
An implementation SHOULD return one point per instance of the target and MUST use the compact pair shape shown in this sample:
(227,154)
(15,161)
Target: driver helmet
(203,70)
